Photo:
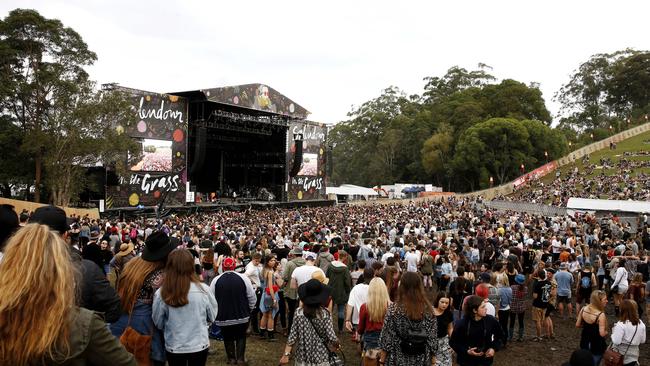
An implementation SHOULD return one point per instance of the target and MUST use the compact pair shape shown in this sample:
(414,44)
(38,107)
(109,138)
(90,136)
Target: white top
(253,273)
(490,309)
(622,337)
(620,278)
(358,297)
(303,274)
(412,260)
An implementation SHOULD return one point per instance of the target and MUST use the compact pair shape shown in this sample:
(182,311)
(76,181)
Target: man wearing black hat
(96,292)
(8,225)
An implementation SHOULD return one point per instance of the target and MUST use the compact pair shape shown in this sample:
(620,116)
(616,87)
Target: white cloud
(330,55)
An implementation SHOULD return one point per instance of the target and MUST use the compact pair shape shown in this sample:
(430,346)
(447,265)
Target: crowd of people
(620,180)
(427,283)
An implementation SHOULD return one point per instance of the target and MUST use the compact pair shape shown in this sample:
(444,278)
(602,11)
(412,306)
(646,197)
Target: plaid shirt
(518,303)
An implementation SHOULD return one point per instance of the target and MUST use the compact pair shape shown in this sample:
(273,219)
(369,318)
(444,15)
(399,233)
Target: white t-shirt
(490,309)
(556,245)
(358,297)
(411,259)
(385,257)
(303,274)
(253,273)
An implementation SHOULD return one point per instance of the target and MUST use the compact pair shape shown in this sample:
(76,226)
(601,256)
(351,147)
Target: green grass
(632,144)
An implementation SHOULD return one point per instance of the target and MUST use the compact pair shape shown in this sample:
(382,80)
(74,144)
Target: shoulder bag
(614,358)
(332,349)
(139,345)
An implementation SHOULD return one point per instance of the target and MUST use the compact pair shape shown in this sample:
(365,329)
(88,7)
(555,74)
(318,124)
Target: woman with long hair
(477,336)
(593,321)
(371,317)
(312,333)
(628,333)
(183,309)
(140,279)
(269,303)
(620,284)
(445,324)
(409,334)
(505,295)
(37,274)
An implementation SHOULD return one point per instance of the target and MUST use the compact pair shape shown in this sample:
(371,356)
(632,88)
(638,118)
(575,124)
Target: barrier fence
(531,208)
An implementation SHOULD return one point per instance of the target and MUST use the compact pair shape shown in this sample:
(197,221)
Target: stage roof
(351,190)
(587,204)
(260,97)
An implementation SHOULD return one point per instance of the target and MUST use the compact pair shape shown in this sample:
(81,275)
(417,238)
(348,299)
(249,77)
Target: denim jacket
(186,327)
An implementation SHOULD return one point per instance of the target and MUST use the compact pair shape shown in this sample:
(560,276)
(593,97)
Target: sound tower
(297,158)
(199,150)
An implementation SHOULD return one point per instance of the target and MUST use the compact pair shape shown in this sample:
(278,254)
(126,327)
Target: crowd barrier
(19,206)
(531,208)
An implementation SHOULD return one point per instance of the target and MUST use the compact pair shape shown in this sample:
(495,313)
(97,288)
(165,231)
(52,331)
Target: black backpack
(415,342)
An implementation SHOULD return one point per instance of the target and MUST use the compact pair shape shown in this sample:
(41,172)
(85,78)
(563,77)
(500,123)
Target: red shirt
(365,325)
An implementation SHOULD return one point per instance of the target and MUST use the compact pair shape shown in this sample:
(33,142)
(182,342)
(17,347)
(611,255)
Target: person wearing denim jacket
(184,315)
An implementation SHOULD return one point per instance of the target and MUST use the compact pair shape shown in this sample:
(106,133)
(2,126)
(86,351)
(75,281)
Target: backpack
(585,282)
(415,342)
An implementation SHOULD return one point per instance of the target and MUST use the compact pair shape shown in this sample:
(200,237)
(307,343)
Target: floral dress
(308,337)
(396,327)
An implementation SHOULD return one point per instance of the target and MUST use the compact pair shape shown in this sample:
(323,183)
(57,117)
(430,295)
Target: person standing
(358,297)
(593,321)
(505,294)
(477,336)
(628,333)
(290,293)
(587,282)
(371,318)
(541,298)
(269,304)
(68,334)
(445,326)
(183,308)
(564,281)
(312,334)
(341,284)
(409,336)
(141,278)
(235,301)
(253,272)
(518,307)
(620,284)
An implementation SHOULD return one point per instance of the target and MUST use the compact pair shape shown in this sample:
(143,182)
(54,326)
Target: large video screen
(156,156)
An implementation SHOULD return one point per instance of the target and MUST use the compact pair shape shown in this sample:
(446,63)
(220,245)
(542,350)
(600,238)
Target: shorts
(549,310)
(564,299)
(538,314)
(621,290)
(580,297)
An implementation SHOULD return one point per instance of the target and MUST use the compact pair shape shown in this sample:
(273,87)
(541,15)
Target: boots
(241,352)
(262,333)
(271,335)
(230,352)
(521,334)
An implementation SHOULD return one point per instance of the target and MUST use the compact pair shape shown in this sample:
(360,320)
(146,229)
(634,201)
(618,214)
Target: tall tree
(43,63)
(456,79)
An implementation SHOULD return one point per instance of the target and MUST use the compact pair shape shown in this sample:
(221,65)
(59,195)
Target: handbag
(139,345)
(333,355)
(415,342)
(614,358)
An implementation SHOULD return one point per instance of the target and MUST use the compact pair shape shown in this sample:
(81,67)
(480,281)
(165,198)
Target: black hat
(52,216)
(313,292)
(157,246)
(8,222)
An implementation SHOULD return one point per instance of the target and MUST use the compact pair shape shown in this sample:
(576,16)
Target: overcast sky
(330,55)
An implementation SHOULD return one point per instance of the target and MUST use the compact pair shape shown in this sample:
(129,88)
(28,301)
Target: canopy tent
(351,190)
(587,204)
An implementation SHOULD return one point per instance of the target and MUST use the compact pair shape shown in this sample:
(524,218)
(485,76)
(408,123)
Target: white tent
(587,204)
(351,190)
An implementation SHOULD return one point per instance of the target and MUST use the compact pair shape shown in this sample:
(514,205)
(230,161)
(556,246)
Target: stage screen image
(309,165)
(156,156)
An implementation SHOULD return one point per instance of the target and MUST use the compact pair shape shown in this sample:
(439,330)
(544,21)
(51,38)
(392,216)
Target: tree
(45,91)
(497,146)
(629,87)
(513,99)
(15,165)
(45,63)
(436,153)
(547,144)
(456,79)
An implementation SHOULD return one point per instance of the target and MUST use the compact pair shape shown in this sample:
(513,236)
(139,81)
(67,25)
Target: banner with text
(309,184)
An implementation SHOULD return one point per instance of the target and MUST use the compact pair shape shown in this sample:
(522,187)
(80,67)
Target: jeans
(292,305)
(340,315)
(504,316)
(187,359)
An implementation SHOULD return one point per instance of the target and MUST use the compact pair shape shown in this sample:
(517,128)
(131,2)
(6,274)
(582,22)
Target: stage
(226,204)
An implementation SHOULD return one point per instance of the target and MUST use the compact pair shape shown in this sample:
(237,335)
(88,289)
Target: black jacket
(96,292)
(483,334)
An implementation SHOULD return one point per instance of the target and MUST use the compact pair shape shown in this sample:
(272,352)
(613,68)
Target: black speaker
(199,150)
(329,163)
(111,178)
(297,159)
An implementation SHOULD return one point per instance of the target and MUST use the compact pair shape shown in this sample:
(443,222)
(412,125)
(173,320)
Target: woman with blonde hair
(141,278)
(593,321)
(371,318)
(628,333)
(37,274)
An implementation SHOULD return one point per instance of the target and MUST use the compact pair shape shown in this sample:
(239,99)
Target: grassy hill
(591,169)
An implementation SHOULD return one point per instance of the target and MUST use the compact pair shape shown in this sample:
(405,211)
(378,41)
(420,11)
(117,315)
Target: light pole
(491,182)
(522,168)
(592,135)
(546,155)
